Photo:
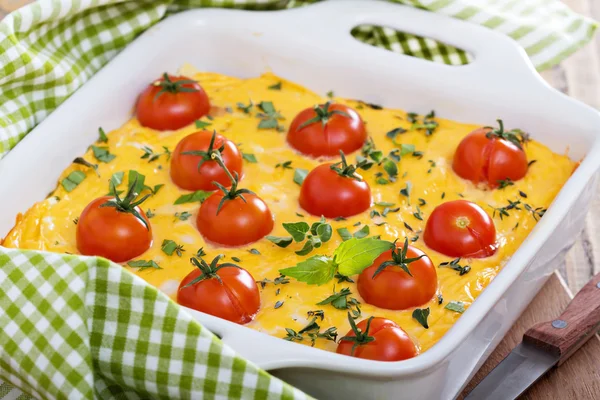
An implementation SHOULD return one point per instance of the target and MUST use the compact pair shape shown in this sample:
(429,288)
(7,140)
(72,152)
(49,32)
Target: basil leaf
(267,107)
(298,230)
(354,255)
(344,233)
(324,232)
(284,241)
(199,195)
(421,315)
(457,306)
(84,162)
(169,247)
(308,247)
(300,175)
(102,154)
(363,232)
(73,180)
(315,270)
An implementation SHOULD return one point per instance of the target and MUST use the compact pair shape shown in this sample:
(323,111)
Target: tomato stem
(399,259)
(168,86)
(346,170)
(211,154)
(323,115)
(233,191)
(515,136)
(208,271)
(128,204)
(361,337)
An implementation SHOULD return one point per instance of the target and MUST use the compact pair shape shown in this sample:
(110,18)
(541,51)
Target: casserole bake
(462,93)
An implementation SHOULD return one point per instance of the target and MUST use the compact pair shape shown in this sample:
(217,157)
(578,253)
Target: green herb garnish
(421,315)
(169,247)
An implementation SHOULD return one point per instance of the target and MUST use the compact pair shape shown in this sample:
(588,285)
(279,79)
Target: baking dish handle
(494,53)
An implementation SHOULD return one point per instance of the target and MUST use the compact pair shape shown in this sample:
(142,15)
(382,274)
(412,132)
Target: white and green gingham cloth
(76,327)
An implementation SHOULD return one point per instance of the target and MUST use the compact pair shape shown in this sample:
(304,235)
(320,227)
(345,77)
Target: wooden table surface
(579,377)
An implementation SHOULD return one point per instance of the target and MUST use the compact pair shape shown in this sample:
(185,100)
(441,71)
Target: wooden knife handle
(575,326)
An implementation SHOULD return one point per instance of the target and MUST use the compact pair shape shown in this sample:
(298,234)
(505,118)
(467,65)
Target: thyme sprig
(515,136)
(208,271)
(399,259)
(128,204)
(454,264)
(323,115)
(361,337)
(212,153)
(168,86)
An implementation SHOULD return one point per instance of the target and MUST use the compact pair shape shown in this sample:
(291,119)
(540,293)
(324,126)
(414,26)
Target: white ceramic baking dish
(313,46)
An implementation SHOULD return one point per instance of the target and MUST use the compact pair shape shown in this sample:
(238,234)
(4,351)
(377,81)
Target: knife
(544,346)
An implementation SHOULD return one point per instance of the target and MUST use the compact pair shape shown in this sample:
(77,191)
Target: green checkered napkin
(80,327)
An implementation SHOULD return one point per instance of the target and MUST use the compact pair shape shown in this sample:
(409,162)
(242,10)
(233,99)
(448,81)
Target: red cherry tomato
(225,291)
(184,167)
(326,129)
(325,192)
(379,340)
(181,101)
(113,234)
(460,228)
(484,155)
(237,223)
(392,287)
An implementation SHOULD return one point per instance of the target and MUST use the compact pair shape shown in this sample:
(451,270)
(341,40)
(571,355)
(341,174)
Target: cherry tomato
(460,228)
(111,233)
(326,129)
(171,102)
(329,190)
(184,167)
(223,290)
(490,156)
(239,221)
(392,287)
(377,339)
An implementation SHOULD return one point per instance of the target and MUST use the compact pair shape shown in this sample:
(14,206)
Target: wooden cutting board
(578,378)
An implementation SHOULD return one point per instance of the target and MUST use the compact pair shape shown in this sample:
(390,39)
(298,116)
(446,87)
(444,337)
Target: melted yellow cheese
(49,225)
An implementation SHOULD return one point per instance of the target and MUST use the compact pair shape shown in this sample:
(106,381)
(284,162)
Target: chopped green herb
(276,86)
(454,264)
(143,265)
(330,94)
(199,195)
(342,278)
(102,154)
(503,183)
(73,180)
(300,175)
(457,306)
(202,124)
(503,211)
(395,132)
(284,165)
(422,202)
(150,213)
(269,116)
(169,247)
(344,233)
(150,155)
(251,158)
(421,315)
(236,259)
(406,190)
(278,304)
(440,299)
(102,136)
(408,227)
(280,241)
(245,108)
(76,220)
(82,161)
(280,280)
(254,251)
(522,194)
(362,233)
(183,216)
(200,252)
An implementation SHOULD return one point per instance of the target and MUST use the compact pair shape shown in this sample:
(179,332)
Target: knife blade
(544,346)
